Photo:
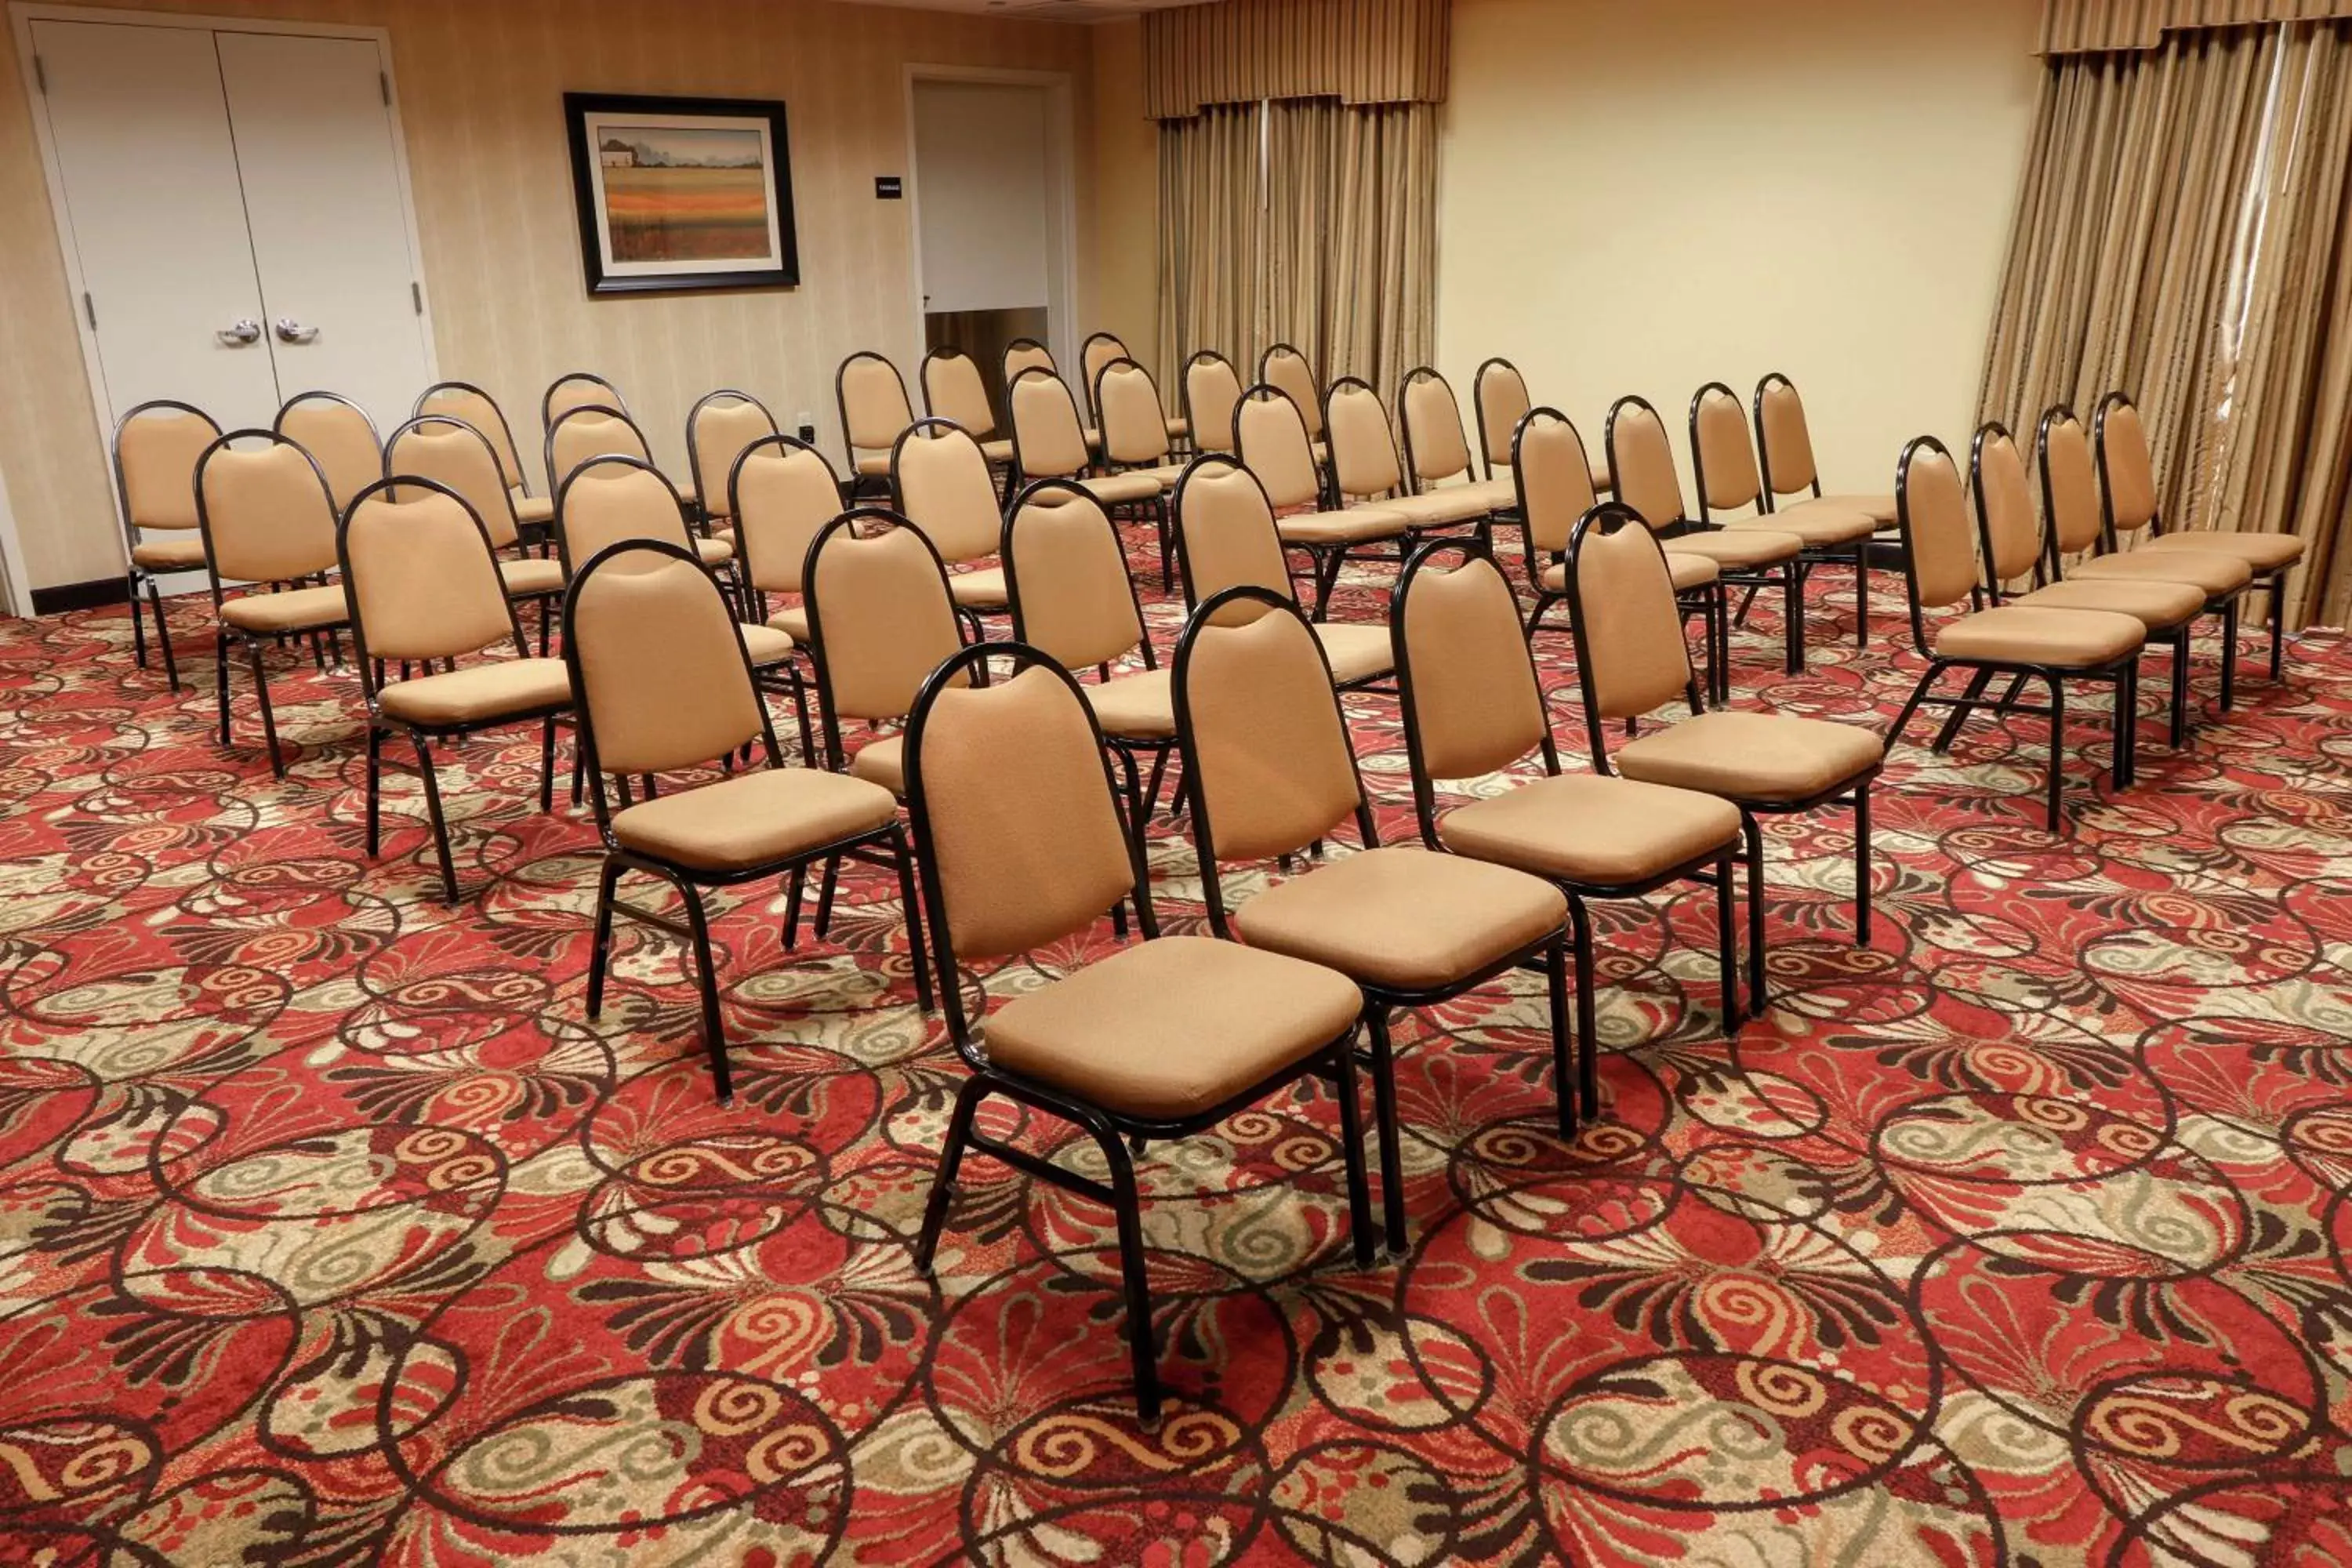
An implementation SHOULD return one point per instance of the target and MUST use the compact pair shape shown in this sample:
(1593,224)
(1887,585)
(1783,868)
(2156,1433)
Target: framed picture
(682,192)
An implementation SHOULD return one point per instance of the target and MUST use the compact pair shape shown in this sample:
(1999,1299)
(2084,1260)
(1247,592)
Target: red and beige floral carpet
(331,1232)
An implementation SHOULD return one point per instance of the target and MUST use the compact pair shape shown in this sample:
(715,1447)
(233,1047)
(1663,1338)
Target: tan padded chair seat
(996,453)
(531,575)
(182,551)
(753,819)
(2019,634)
(1818,525)
(874,465)
(1353,525)
(1880,509)
(1178,428)
(2159,607)
(1687,572)
(1597,465)
(1138,707)
(1604,832)
(1355,652)
(1760,758)
(479,693)
(793,623)
(530,510)
(295,610)
(1168,1029)
(2263,552)
(1500,494)
(1408,919)
(1735,549)
(1116,489)
(883,762)
(2207,569)
(765,645)
(980,590)
(1434,509)
(714,551)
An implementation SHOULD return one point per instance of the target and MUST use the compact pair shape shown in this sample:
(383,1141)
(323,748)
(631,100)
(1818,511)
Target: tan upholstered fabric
(1077,601)
(478,693)
(1228,534)
(1273,444)
(873,407)
(2159,607)
(754,819)
(177,552)
(579,391)
(1025,842)
(1288,372)
(582,435)
(296,610)
(268,513)
(2020,634)
(423,576)
(713,552)
(1098,351)
(1786,439)
(1820,524)
(1211,387)
(1134,424)
(471,407)
(945,490)
(766,646)
(721,431)
(1354,525)
(1738,549)
(1027,356)
(2263,552)
(1363,51)
(1935,528)
(1502,398)
(1555,481)
(461,457)
(1880,508)
(1403,918)
(1634,653)
(1124,490)
(1759,759)
(1685,571)
(609,502)
(885,620)
(793,622)
(952,390)
(1476,703)
(783,497)
(874,464)
(659,665)
(533,509)
(525,578)
(1432,422)
(2130,471)
(984,589)
(339,434)
(2072,485)
(1363,449)
(1170,1029)
(1643,462)
(1600,832)
(1046,429)
(2005,500)
(1434,508)
(1356,653)
(1725,456)
(2210,569)
(2097,26)
(883,762)
(1138,707)
(1269,749)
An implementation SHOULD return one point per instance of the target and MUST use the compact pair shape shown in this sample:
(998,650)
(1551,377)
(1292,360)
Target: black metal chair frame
(1479,405)
(613,400)
(1482,525)
(1772,499)
(1184,393)
(545,601)
(861,484)
(934,427)
(1323,561)
(1856,555)
(1413,483)
(135,575)
(1154,511)
(756,597)
(702,515)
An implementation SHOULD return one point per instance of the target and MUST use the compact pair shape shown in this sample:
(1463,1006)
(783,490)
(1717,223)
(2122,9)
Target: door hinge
(41,75)
(384,81)
(416,297)
(89,308)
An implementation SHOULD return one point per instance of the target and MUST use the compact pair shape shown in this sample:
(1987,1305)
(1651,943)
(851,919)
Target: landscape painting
(682,192)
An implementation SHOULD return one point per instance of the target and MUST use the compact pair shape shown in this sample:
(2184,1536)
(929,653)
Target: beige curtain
(1248,51)
(2075,26)
(2180,234)
(1211,240)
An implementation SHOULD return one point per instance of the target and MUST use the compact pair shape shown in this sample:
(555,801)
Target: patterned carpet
(331,1233)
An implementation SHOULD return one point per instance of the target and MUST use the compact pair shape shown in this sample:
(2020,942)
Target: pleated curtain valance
(1240,51)
(2090,27)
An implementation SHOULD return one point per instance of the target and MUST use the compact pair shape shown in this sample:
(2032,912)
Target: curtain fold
(2083,27)
(1211,241)
(1240,51)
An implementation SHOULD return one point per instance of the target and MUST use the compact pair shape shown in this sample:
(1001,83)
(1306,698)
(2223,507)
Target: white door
(142,137)
(981,198)
(330,233)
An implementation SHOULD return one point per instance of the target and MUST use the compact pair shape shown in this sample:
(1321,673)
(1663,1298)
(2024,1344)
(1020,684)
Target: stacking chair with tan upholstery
(1630,660)
(1270,773)
(1049,443)
(880,619)
(1287,370)
(266,518)
(662,685)
(1784,447)
(1437,448)
(453,454)
(952,390)
(579,389)
(1021,847)
(339,433)
(939,482)
(2052,645)
(1023,355)
(156,447)
(1274,446)
(2128,495)
(719,429)
(1134,422)
(872,397)
(1554,480)
(780,492)
(1366,469)
(1226,537)
(2013,548)
(1498,395)
(1642,461)
(469,405)
(582,434)
(1723,468)
(1474,707)
(421,585)
(1212,390)
(1074,598)
(1103,349)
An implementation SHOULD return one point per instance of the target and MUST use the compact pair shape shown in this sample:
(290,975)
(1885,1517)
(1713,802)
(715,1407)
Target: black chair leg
(1726,944)
(2230,656)
(269,719)
(1862,866)
(2057,745)
(220,682)
(1384,1114)
(1861,595)
(1758,997)
(935,1210)
(706,975)
(1563,1078)
(825,897)
(795,884)
(2125,764)
(2278,625)
(912,911)
(1918,695)
(138,626)
(2179,724)
(1793,576)
(374,791)
(600,947)
(163,634)
(1587,1010)
(1969,698)
(1128,1206)
(433,810)
(1351,1152)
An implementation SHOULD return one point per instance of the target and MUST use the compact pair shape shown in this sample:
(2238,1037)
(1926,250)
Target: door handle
(291,330)
(240,334)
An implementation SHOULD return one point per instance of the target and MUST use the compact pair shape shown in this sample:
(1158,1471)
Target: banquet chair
(1498,398)
(1437,448)
(1212,389)
(469,405)
(1723,472)
(1784,449)
(939,482)
(156,449)
(1366,469)
(1274,448)
(578,389)
(952,390)
(1023,355)
(872,398)
(583,434)
(1287,371)
(460,457)
(1049,443)
(339,433)
(718,427)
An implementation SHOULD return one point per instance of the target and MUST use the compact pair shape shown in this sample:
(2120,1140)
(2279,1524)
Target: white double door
(238,224)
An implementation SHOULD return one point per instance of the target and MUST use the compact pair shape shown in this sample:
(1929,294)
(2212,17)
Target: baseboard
(90,596)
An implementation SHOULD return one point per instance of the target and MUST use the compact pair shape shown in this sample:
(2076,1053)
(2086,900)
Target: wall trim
(91,595)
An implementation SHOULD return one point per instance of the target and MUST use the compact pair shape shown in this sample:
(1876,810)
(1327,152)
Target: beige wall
(1127,198)
(1643,196)
(480,87)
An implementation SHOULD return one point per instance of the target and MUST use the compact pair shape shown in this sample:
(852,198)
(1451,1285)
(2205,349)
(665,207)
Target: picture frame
(678,193)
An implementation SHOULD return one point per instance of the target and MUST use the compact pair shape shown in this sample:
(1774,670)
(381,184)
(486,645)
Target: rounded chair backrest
(2070,483)
(1363,448)
(1211,389)
(1554,474)
(1225,533)
(1463,663)
(1940,547)
(780,492)
(720,426)
(940,479)
(1284,367)
(468,404)
(1048,439)
(156,447)
(1066,574)
(880,614)
(873,398)
(1023,355)
(450,452)
(1721,453)
(419,574)
(337,431)
(952,390)
(616,499)
(2010,530)
(658,665)
(1134,421)
(591,430)
(578,389)
(1630,653)
(266,512)
(2126,468)
(1273,442)
(1782,436)
(1100,349)
(1500,393)
(1267,754)
(1642,463)
(1432,427)
(1013,811)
